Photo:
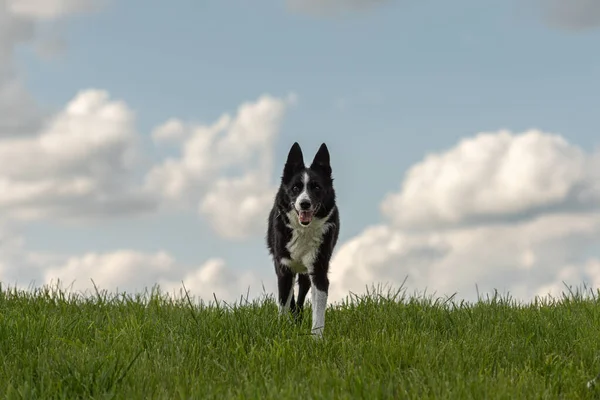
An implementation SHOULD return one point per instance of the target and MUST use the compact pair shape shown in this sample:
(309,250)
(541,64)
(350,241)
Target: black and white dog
(303,229)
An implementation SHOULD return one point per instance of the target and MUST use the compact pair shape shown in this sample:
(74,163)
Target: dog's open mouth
(305,217)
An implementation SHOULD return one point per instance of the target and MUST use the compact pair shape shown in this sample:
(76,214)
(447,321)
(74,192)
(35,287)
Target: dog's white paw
(317,333)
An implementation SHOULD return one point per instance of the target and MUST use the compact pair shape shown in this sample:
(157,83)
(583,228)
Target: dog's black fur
(292,242)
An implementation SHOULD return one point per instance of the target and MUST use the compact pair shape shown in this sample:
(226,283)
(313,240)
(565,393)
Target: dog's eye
(317,187)
(295,188)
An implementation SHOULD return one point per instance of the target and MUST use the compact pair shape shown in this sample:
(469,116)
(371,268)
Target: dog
(303,229)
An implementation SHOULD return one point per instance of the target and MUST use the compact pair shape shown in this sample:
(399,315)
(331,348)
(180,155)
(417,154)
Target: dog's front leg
(285,288)
(320,290)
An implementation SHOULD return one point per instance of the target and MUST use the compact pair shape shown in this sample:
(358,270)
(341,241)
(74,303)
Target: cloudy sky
(141,143)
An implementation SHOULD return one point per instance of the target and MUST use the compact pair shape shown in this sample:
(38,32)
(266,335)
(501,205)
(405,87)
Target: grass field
(55,345)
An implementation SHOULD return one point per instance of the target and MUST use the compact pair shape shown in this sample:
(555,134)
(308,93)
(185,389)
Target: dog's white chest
(305,242)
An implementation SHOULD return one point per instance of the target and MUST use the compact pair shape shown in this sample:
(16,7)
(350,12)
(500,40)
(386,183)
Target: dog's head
(309,190)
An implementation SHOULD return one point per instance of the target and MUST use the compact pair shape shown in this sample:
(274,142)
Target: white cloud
(79,166)
(83,163)
(125,270)
(328,7)
(215,279)
(519,213)
(132,271)
(494,176)
(225,168)
(239,207)
(245,140)
(522,258)
(173,130)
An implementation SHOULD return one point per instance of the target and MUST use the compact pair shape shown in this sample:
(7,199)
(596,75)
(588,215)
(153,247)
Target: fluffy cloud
(215,279)
(124,270)
(571,14)
(132,271)
(522,258)
(224,169)
(78,166)
(494,176)
(328,7)
(83,163)
(238,207)
(172,131)
(518,212)
(244,140)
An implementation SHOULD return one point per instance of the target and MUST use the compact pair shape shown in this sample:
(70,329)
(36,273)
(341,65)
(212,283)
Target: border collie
(303,230)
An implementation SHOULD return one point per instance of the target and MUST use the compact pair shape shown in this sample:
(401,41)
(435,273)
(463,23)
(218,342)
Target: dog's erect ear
(321,160)
(294,163)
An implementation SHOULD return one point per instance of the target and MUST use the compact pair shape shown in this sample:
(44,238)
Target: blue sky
(383,87)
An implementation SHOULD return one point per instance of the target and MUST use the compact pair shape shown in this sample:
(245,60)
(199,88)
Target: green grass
(59,345)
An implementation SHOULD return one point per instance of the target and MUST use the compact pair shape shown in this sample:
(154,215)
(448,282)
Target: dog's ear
(321,161)
(294,163)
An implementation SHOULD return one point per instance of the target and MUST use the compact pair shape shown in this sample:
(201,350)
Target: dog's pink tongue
(305,216)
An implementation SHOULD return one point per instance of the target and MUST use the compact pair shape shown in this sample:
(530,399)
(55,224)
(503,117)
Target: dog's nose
(305,204)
